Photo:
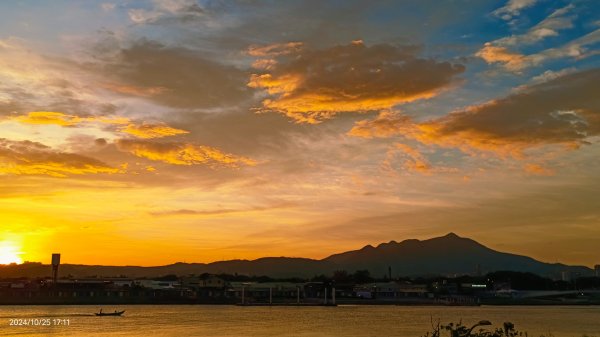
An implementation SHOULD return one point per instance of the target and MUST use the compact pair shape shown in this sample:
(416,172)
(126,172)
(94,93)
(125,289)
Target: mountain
(446,255)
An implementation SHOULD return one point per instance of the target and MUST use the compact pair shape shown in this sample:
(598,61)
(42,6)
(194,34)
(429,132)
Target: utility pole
(333,295)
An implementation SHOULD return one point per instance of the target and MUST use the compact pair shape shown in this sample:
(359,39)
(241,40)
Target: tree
(362,276)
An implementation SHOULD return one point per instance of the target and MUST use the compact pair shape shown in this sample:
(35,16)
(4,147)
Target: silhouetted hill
(279,267)
(446,255)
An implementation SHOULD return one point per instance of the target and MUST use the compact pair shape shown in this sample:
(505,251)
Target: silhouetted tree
(341,276)
(320,278)
(362,276)
(170,277)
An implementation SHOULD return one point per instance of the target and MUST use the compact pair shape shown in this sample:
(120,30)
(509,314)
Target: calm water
(347,321)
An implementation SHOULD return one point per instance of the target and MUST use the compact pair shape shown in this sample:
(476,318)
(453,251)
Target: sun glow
(9,253)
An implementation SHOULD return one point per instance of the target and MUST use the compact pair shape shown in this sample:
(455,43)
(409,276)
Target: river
(234,321)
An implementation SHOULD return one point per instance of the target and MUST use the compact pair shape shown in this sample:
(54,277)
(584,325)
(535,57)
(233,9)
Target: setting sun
(9,253)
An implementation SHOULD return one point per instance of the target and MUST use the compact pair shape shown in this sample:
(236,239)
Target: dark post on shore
(55,264)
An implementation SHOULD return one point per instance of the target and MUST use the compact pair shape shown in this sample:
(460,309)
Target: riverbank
(441,303)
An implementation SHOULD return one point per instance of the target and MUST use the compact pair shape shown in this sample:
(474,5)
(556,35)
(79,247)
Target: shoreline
(485,304)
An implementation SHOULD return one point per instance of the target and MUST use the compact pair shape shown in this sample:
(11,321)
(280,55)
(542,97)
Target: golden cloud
(310,86)
(152,130)
(182,153)
(145,130)
(48,117)
(32,158)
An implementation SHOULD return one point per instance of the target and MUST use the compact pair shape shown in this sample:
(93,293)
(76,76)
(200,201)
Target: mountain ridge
(445,255)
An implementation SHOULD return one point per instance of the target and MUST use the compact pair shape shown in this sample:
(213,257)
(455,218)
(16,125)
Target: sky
(152,132)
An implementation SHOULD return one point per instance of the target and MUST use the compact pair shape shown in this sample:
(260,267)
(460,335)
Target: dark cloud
(100,142)
(176,77)
(16,102)
(565,110)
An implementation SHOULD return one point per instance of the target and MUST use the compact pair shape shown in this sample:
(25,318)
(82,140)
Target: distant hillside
(280,267)
(446,255)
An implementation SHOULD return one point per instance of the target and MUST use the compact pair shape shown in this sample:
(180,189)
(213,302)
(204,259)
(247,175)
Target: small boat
(116,313)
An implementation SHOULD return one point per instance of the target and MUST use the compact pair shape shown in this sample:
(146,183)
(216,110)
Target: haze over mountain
(446,255)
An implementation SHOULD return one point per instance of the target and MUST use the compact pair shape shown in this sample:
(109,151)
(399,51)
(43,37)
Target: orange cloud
(537,169)
(276,49)
(386,124)
(280,85)
(59,118)
(264,63)
(310,86)
(136,90)
(413,160)
(31,158)
(182,153)
(495,54)
(152,130)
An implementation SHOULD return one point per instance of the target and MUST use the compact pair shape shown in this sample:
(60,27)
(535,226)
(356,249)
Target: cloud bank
(310,85)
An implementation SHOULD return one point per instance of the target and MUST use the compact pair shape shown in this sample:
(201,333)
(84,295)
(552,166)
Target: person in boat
(100,310)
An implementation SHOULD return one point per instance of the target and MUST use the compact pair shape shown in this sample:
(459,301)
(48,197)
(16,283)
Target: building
(155,284)
(265,292)
(597,270)
(390,290)
(90,291)
(206,286)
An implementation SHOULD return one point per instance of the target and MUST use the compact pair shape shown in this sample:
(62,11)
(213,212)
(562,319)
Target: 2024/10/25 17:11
(38,321)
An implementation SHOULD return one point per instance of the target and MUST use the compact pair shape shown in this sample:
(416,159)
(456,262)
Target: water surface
(347,321)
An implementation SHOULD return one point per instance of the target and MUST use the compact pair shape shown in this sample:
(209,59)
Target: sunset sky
(151,132)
